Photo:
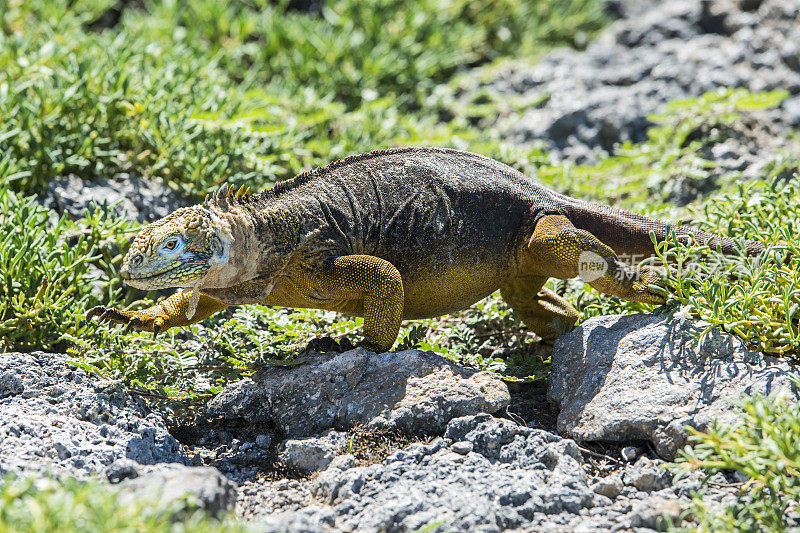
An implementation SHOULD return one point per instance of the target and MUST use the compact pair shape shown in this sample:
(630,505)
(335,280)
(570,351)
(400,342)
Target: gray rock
(656,513)
(139,198)
(316,520)
(413,391)
(647,475)
(610,487)
(514,479)
(121,470)
(314,453)
(791,109)
(56,418)
(343,462)
(197,487)
(624,378)
(10,385)
(461,447)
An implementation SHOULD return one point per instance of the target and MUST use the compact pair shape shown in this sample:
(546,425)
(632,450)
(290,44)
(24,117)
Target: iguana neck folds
(242,254)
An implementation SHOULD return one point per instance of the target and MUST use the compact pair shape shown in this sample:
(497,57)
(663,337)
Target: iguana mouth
(177,276)
(149,276)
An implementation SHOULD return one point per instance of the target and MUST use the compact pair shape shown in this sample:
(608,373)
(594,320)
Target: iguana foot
(168,313)
(131,319)
(567,252)
(649,288)
(372,347)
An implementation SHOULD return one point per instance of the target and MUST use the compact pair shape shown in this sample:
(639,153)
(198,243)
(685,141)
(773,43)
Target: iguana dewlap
(391,235)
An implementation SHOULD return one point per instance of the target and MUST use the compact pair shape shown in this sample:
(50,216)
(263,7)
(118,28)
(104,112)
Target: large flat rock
(623,378)
(413,391)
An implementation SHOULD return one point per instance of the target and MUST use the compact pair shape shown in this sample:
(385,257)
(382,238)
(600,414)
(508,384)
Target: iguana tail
(629,233)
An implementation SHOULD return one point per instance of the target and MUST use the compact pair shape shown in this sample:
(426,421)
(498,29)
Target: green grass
(756,299)
(644,176)
(49,268)
(201,92)
(397,48)
(47,505)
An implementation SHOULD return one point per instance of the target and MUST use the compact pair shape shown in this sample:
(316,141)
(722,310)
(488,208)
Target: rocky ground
(658,52)
(404,441)
(436,446)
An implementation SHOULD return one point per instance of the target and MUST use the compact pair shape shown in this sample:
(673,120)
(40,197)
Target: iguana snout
(176,251)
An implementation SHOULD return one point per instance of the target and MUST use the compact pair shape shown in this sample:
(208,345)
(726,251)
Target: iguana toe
(130,319)
(651,288)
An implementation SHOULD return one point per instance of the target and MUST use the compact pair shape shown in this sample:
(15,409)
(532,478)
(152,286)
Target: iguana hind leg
(543,311)
(169,313)
(559,249)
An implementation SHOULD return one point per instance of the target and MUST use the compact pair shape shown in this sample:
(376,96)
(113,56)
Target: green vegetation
(48,505)
(756,299)
(766,448)
(49,267)
(203,92)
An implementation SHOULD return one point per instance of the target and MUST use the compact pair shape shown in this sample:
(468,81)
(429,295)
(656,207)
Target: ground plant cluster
(202,93)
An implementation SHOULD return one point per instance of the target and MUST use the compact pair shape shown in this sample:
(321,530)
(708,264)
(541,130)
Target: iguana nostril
(136,260)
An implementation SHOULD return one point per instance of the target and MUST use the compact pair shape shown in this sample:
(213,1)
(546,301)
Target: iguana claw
(129,319)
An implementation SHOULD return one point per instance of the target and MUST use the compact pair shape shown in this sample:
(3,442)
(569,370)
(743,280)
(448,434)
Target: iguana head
(176,251)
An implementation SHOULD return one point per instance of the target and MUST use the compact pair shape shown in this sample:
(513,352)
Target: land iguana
(390,235)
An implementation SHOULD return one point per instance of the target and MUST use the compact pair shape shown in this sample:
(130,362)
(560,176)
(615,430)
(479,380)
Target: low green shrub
(754,298)
(354,49)
(49,268)
(757,298)
(640,176)
(182,368)
(93,106)
(199,93)
(765,447)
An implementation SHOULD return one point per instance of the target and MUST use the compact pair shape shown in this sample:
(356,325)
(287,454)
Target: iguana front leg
(169,313)
(559,249)
(376,283)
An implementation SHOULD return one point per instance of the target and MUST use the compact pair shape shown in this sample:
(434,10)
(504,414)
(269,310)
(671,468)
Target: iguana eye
(171,244)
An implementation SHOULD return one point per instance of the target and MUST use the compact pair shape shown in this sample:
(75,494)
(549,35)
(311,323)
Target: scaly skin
(391,235)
